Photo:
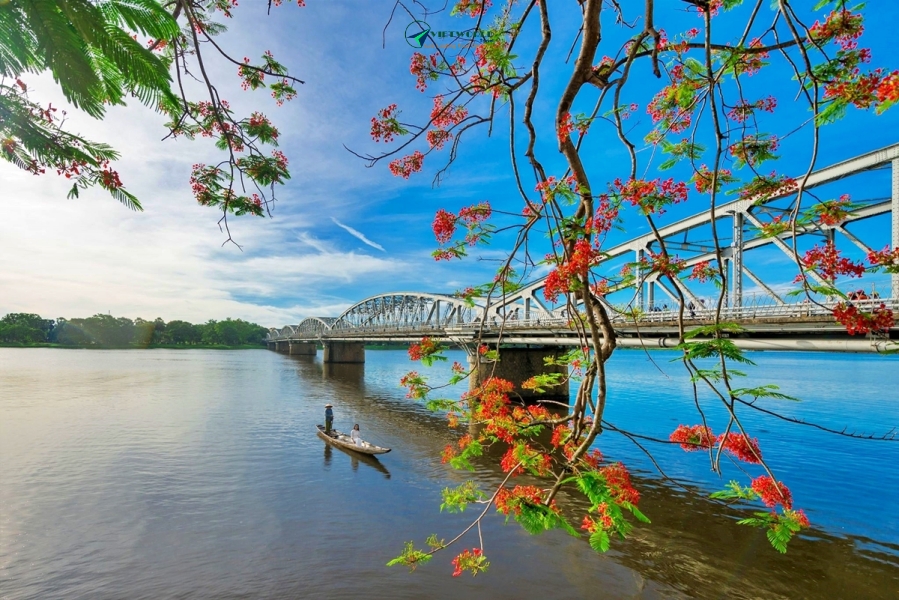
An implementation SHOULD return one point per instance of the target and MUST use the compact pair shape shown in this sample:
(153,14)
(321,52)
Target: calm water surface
(196,474)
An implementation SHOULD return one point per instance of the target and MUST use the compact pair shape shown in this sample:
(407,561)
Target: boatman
(329,419)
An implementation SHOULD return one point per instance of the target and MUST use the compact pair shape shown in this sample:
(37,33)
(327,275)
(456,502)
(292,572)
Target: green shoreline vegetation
(25,330)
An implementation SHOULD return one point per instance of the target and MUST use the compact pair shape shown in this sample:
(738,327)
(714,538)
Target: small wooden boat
(344,441)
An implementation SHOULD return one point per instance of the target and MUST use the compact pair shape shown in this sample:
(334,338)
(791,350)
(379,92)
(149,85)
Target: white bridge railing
(755,311)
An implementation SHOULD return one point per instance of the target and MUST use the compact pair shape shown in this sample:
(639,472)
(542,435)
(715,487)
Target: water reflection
(370,461)
(163,474)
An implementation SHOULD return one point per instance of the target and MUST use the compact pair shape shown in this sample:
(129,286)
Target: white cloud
(358,234)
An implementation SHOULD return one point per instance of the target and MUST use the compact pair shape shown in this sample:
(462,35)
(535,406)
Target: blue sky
(341,231)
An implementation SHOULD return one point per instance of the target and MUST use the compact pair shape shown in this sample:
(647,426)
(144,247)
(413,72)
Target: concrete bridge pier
(301,348)
(282,346)
(343,352)
(518,365)
(271,345)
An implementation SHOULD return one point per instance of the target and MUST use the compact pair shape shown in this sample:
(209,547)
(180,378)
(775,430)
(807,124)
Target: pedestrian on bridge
(329,419)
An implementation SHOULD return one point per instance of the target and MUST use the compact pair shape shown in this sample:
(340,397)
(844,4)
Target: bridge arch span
(314,326)
(407,309)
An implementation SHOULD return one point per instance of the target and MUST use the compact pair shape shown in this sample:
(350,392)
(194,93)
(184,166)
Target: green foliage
(96,64)
(457,499)
(734,491)
(411,557)
(25,328)
(713,349)
(763,391)
(106,331)
(463,459)
(780,527)
(537,518)
(714,375)
(600,541)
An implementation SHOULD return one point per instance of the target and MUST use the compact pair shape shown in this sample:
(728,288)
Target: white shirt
(357,437)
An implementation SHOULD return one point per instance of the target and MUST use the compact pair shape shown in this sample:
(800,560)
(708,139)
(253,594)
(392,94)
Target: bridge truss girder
(403,310)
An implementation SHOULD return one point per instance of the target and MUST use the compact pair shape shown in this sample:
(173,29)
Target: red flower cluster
(575,265)
(764,187)
(109,179)
(662,264)
(697,437)
(743,110)
(427,347)
(832,212)
(472,560)
(651,196)
(887,259)
(702,179)
(741,446)
(549,188)
(856,321)
(829,264)
(444,226)
(772,493)
(703,272)
(473,8)
(424,68)
(888,88)
(251,78)
(841,26)
(385,125)
(507,500)
(404,167)
(672,105)
(618,480)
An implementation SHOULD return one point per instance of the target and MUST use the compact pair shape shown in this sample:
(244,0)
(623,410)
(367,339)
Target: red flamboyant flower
(652,197)
(841,26)
(772,493)
(703,272)
(696,437)
(856,321)
(828,263)
(886,259)
(473,8)
(385,125)
(404,167)
(618,480)
(832,212)
(741,446)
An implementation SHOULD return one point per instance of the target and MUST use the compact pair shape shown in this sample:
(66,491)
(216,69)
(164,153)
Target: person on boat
(329,419)
(356,435)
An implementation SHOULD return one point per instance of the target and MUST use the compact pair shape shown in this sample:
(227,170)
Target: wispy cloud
(358,234)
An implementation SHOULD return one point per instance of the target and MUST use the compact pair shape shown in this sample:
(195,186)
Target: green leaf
(600,541)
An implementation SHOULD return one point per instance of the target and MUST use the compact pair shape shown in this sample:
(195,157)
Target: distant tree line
(106,331)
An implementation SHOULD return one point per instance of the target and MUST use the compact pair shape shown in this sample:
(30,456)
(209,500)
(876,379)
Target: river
(196,474)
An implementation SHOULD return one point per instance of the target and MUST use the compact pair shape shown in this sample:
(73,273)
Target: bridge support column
(736,283)
(281,346)
(518,365)
(344,352)
(271,345)
(895,215)
(638,282)
(301,348)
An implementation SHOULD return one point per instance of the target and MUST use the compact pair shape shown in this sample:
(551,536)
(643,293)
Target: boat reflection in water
(355,459)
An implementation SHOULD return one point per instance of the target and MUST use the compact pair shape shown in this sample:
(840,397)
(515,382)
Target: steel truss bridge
(771,320)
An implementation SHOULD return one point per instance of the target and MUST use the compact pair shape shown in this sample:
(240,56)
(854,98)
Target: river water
(196,474)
